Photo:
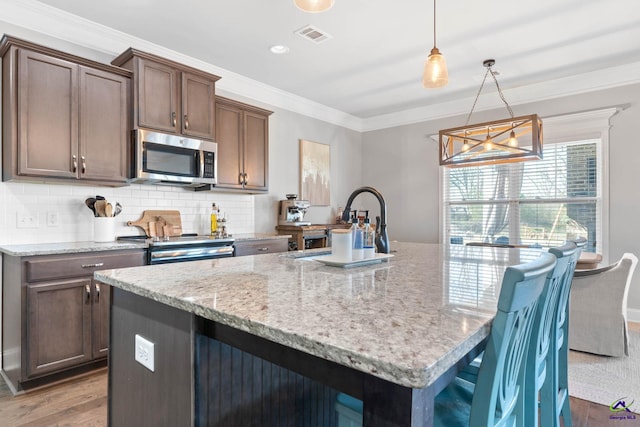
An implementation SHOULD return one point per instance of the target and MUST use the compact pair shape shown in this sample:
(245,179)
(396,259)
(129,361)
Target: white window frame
(567,128)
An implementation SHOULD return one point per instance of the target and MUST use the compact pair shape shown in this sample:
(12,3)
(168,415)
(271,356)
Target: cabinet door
(47,116)
(260,247)
(198,103)
(100,319)
(58,325)
(104,125)
(158,87)
(256,151)
(228,136)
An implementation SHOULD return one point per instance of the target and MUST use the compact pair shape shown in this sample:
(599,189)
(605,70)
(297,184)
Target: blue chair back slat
(544,322)
(501,373)
(554,394)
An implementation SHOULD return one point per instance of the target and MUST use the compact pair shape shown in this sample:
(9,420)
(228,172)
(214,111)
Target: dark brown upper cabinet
(64,117)
(242,134)
(170,97)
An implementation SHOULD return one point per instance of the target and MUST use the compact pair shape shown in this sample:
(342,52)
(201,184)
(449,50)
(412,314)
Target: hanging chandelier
(313,5)
(435,67)
(515,139)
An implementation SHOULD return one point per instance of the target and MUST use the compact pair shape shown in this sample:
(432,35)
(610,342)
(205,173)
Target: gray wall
(286,128)
(403,163)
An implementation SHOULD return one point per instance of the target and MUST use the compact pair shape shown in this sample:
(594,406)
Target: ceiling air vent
(313,34)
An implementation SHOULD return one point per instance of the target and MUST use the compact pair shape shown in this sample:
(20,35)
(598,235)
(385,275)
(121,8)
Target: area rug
(603,379)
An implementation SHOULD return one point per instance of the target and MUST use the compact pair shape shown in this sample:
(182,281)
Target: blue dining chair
(493,399)
(554,395)
(540,365)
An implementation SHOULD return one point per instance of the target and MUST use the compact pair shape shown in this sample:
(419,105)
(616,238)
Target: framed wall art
(315,173)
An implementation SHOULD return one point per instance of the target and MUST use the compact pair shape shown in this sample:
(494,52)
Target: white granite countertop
(406,320)
(258,236)
(33,249)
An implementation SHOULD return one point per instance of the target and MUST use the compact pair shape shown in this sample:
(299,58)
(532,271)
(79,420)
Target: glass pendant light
(435,67)
(314,6)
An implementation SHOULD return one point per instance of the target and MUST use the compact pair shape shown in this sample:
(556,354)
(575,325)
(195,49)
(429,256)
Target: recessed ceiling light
(279,49)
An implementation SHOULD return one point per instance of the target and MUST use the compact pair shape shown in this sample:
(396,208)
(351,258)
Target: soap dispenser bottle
(356,238)
(368,239)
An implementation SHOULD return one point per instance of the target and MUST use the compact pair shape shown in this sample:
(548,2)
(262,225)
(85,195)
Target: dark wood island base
(210,374)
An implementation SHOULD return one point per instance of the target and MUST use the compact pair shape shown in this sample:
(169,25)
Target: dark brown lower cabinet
(260,247)
(58,325)
(55,317)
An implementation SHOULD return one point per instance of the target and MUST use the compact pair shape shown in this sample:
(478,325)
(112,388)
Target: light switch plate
(144,353)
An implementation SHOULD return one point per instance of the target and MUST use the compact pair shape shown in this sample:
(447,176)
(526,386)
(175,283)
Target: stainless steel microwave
(161,158)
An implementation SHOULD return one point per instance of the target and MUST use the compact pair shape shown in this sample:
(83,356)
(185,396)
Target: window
(535,203)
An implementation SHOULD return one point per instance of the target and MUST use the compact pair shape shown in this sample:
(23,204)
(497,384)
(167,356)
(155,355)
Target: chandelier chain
(501,94)
(489,71)
(477,96)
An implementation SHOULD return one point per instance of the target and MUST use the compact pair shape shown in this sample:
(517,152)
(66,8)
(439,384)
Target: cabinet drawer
(58,267)
(257,247)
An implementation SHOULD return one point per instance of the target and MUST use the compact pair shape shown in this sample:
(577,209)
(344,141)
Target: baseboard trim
(633,315)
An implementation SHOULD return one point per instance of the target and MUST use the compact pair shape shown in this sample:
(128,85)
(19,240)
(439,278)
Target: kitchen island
(272,339)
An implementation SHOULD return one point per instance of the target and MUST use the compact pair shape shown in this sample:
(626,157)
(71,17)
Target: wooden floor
(83,402)
(79,402)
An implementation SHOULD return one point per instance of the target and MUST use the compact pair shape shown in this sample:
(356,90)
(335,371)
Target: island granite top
(406,320)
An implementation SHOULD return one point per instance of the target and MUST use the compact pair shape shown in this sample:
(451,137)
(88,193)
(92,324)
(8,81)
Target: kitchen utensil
(169,228)
(91,202)
(169,216)
(100,207)
(108,210)
(118,209)
(151,226)
(100,198)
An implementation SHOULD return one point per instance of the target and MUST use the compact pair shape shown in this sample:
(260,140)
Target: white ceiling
(372,65)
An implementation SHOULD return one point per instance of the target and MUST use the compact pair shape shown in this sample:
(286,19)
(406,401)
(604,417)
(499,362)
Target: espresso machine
(292,211)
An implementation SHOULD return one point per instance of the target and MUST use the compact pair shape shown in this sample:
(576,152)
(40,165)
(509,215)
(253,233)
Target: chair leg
(563,408)
(549,392)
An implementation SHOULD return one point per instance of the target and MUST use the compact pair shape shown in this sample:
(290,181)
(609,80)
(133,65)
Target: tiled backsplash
(43,213)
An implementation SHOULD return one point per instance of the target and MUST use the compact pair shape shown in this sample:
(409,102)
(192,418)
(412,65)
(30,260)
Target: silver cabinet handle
(263,249)
(186,122)
(84,164)
(97,292)
(241,178)
(246,179)
(87,290)
(97,264)
(75,162)
(173,119)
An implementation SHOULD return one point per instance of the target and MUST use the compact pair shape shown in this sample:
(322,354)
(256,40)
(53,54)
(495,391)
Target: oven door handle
(174,255)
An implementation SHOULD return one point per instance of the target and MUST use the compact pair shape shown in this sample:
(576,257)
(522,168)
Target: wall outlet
(144,353)
(53,219)
(26,220)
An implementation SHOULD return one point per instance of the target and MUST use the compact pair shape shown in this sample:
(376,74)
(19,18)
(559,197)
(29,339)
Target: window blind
(535,203)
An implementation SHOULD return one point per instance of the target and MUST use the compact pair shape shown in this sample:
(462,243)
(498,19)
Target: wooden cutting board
(159,223)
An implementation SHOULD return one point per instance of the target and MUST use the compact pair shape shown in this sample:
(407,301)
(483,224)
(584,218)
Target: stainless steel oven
(160,158)
(184,248)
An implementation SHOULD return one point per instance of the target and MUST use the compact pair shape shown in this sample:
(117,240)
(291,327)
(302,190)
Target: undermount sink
(307,253)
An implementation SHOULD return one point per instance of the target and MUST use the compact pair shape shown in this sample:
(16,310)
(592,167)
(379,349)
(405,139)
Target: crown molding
(56,23)
(49,21)
(578,84)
